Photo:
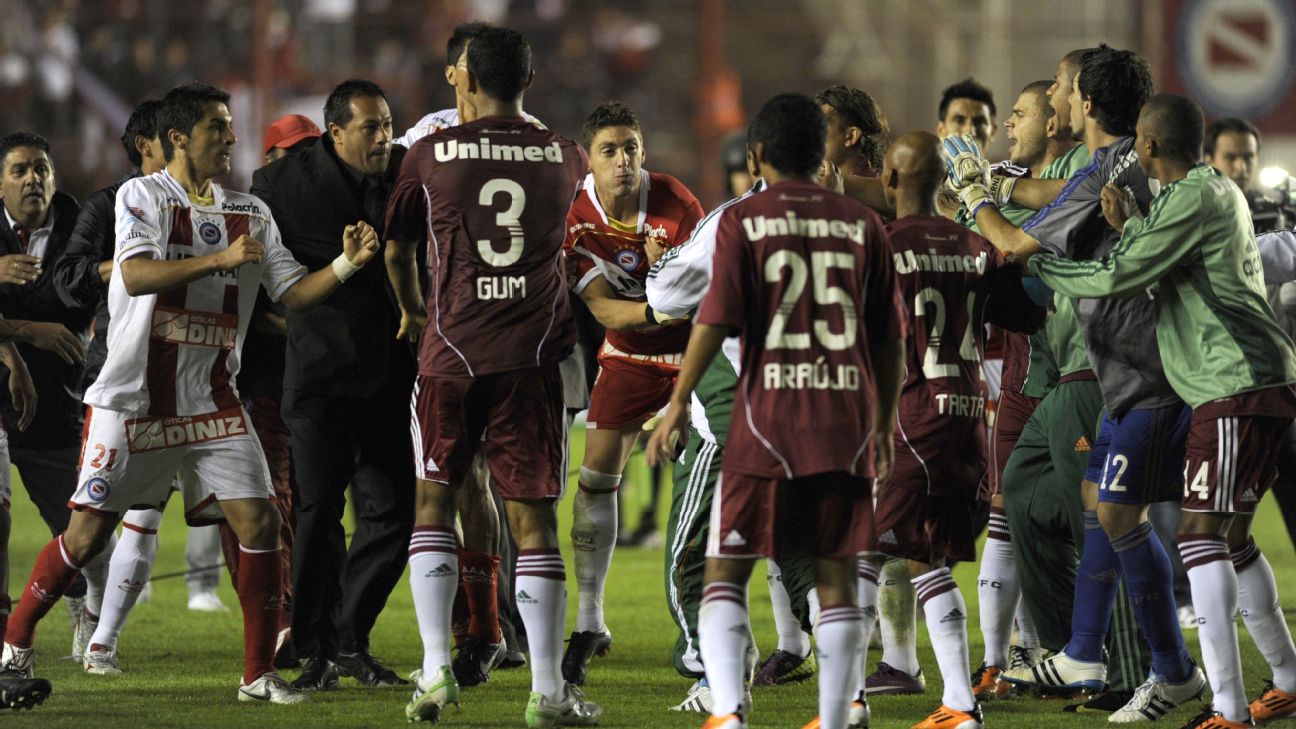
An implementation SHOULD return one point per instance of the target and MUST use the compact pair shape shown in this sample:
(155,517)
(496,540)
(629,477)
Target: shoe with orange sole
(1272,703)
(1209,718)
(947,718)
(986,684)
(732,721)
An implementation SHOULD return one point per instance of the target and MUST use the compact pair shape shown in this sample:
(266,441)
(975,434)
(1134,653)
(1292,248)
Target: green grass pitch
(182,668)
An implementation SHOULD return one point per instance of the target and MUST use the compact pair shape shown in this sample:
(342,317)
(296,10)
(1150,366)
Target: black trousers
(365,443)
(50,477)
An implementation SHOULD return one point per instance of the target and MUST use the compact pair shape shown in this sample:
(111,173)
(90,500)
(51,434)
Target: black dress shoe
(318,674)
(363,667)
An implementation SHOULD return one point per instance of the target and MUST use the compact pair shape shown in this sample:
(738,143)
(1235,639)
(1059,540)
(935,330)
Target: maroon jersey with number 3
(491,197)
(806,277)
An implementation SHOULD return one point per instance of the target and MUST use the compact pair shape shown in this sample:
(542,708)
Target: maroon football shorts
(516,417)
(1014,409)
(916,525)
(1232,459)
(629,391)
(828,515)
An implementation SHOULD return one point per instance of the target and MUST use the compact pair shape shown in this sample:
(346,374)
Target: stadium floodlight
(1274,177)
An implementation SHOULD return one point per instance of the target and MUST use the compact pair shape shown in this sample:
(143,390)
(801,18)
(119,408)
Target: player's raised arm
(969,175)
(359,246)
(143,275)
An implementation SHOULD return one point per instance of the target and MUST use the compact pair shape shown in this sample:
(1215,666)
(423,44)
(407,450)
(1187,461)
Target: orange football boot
(1272,703)
(731,721)
(947,718)
(987,685)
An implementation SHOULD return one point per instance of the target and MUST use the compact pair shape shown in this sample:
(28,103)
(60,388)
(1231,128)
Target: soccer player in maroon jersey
(623,219)
(955,281)
(491,197)
(806,277)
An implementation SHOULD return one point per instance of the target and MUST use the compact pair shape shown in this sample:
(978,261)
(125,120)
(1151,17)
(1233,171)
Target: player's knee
(596,482)
(87,536)
(259,528)
(1194,522)
(1120,519)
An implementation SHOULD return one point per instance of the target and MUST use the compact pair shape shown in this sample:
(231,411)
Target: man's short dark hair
(1118,83)
(857,109)
(968,88)
(608,114)
(1228,124)
(143,122)
(792,128)
(337,109)
(13,140)
(463,33)
(1178,124)
(182,108)
(1040,89)
(500,58)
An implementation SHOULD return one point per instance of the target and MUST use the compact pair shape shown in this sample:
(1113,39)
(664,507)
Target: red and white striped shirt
(176,353)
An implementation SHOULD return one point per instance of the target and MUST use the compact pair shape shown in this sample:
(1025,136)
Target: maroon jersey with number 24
(491,197)
(806,277)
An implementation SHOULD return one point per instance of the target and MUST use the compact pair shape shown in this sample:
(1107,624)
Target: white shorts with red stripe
(128,462)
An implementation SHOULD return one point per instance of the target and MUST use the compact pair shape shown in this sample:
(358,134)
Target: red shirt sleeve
(724,304)
(407,206)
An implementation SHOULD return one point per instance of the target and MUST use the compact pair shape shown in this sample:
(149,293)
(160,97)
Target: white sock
(96,575)
(1263,617)
(837,642)
(434,580)
(541,595)
(947,625)
(999,592)
(722,634)
(1027,635)
(867,591)
(790,636)
(594,533)
(128,571)
(812,606)
(896,600)
(1215,597)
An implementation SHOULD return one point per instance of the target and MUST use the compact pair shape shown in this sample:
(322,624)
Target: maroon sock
(53,573)
(258,593)
(479,575)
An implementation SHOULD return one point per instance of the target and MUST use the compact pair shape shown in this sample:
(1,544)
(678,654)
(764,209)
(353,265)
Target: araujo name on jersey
(483,149)
(789,224)
(908,262)
(149,434)
(817,375)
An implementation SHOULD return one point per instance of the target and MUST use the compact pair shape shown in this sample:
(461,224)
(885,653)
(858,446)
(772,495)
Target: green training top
(1216,332)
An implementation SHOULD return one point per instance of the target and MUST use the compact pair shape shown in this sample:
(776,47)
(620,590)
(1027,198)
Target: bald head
(1175,125)
(915,164)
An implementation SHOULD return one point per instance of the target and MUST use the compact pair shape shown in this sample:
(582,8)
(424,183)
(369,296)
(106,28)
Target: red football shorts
(630,389)
(1013,411)
(827,515)
(516,417)
(1231,462)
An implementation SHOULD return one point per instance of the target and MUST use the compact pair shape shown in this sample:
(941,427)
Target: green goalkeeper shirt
(1215,330)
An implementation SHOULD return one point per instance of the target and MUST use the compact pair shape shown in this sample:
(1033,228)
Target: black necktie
(24,237)
(374,202)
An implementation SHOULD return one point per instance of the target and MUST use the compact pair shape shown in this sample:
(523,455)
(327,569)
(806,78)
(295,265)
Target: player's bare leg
(256,523)
(541,594)
(128,572)
(723,637)
(1263,617)
(594,533)
(434,580)
(57,566)
(479,563)
(946,616)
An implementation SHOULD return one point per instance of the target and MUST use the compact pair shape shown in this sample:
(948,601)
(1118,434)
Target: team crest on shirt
(628,259)
(209,232)
(98,489)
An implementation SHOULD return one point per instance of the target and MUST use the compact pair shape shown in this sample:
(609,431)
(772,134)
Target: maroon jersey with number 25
(806,277)
(491,197)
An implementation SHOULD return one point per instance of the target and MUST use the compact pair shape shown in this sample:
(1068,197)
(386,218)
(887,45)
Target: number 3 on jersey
(932,367)
(510,219)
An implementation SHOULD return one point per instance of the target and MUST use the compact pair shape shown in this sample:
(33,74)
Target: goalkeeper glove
(1001,189)
(975,196)
(963,161)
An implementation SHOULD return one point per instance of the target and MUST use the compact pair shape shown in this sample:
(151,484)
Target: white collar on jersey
(643,198)
(218,193)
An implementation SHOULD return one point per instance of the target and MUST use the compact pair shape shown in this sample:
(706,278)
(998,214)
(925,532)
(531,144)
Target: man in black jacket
(346,394)
(38,222)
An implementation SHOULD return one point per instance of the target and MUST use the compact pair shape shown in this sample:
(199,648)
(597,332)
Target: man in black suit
(38,221)
(346,394)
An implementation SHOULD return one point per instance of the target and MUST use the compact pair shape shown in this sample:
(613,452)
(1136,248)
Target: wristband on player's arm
(652,316)
(344,269)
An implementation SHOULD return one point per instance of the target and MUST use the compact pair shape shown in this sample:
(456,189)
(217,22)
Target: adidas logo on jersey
(1250,494)
(733,539)
(888,537)
(441,570)
(954,616)
(1082,445)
